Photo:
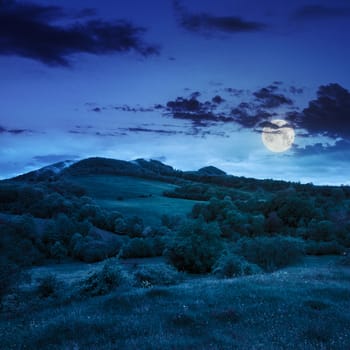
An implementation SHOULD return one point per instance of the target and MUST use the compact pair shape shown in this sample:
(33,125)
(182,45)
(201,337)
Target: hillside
(108,229)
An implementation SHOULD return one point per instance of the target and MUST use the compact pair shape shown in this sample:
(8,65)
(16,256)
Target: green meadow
(134,196)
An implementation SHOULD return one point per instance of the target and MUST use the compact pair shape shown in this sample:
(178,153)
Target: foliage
(271,253)
(137,248)
(90,249)
(195,246)
(157,274)
(9,274)
(19,242)
(58,251)
(323,248)
(231,265)
(48,286)
(105,280)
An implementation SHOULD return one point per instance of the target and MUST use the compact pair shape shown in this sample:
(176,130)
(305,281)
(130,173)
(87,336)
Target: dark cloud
(258,108)
(235,92)
(126,108)
(248,118)
(295,90)
(320,12)
(258,112)
(146,130)
(199,113)
(268,98)
(208,23)
(329,114)
(93,107)
(31,31)
(15,131)
(339,151)
(87,12)
(218,99)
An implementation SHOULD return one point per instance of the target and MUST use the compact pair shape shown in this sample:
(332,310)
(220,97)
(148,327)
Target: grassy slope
(106,189)
(301,307)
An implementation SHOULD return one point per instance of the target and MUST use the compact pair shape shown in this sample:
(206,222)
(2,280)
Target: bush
(195,247)
(138,248)
(271,253)
(48,286)
(231,265)
(19,242)
(157,274)
(58,251)
(320,230)
(88,249)
(324,248)
(105,280)
(9,274)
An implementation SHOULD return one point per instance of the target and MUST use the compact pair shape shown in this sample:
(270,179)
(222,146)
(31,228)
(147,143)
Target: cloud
(31,31)
(249,117)
(199,113)
(156,131)
(267,98)
(15,131)
(320,12)
(329,114)
(205,22)
(296,90)
(340,150)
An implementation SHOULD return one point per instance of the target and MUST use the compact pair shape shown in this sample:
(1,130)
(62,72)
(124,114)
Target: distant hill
(211,171)
(156,170)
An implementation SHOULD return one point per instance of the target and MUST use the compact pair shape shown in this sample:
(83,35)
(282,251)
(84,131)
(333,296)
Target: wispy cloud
(207,23)
(312,12)
(3,130)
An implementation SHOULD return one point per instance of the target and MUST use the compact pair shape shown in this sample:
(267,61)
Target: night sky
(190,83)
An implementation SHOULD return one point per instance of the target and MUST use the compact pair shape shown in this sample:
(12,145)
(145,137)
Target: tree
(58,251)
(195,247)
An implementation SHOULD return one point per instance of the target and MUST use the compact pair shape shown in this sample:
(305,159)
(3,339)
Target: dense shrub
(231,265)
(320,230)
(323,248)
(157,274)
(195,246)
(58,251)
(105,280)
(19,242)
(142,247)
(9,274)
(132,226)
(137,248)
(271,253)
(48,286)
(88,249)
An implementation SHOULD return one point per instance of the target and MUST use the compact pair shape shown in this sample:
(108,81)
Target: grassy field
(134,196)
(300,307)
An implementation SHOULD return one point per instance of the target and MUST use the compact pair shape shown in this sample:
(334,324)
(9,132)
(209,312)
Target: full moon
(279,138)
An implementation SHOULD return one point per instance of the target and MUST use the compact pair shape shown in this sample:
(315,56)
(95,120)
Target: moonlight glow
(279,138)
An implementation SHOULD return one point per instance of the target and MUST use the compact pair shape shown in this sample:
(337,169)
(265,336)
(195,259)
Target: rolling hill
(146,256)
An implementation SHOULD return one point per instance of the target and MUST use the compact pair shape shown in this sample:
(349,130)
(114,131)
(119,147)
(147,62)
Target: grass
(143,198)
(287,309)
